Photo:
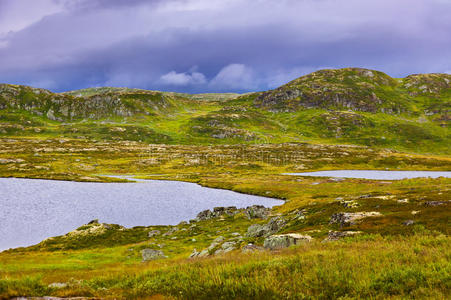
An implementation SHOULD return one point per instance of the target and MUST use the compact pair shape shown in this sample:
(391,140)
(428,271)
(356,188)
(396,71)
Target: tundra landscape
(332,237)
(209,149)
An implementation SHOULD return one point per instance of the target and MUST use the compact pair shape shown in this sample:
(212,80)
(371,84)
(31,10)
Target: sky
(215,45)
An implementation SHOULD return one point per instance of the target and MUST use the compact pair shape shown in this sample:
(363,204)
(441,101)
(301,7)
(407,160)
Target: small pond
(376,175)
(32,210)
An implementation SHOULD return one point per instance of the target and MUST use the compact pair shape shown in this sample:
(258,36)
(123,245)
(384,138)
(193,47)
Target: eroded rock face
(256,211)
(59,107)
(151,254)
(280,241)
(350,88)
(230,211)
(204,215)
(217,212)
(345,218)
(256,230)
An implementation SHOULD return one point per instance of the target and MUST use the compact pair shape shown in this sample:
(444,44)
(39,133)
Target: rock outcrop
(249,248)
(153,233)
(336,235)
(346,219)
(257,212)
(355,89)
(217,212)
(273,226)
(151,254)
(285,240)
(62,107)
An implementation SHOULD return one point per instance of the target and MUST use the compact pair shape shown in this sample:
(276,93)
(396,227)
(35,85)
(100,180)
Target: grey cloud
(237,45)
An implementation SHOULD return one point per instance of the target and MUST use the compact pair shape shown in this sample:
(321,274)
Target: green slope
(354,106)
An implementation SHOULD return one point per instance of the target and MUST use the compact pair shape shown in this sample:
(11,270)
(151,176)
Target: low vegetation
(338,238)
(346,106)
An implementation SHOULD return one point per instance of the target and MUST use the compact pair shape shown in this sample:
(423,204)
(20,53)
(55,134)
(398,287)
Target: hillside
(332,238)
(352,105)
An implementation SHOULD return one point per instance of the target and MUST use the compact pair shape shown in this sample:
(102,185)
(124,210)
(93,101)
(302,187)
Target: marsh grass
(377,267)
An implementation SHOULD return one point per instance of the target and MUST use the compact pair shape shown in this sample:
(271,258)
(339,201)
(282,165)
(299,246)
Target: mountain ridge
(351,105)
(348,88)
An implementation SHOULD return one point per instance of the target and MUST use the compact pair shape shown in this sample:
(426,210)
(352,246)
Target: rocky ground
(331,239)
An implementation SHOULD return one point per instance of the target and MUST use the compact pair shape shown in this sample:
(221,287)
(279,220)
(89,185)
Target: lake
(32,209)
(375,174)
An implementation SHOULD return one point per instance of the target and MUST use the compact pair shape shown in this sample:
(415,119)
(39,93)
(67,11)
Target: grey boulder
(150,254)
(280,241)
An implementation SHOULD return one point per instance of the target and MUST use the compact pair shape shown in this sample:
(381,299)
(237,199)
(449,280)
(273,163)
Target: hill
(345,238)
(351,105)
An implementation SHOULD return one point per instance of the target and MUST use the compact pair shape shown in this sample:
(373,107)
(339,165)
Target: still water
(376,175)
(32,210)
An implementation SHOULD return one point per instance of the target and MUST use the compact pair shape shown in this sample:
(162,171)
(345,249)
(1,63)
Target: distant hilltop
(350,88)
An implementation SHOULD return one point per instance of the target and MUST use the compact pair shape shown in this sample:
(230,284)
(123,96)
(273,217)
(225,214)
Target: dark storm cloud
(107,4)
(237,45)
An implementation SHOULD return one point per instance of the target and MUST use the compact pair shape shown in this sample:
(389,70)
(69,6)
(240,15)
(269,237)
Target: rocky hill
(65,107)
(352,105)
(362,90)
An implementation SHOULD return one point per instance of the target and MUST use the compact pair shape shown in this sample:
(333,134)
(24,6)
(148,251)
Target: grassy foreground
(417,266)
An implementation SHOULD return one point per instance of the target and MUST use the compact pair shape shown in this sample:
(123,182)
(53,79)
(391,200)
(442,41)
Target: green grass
(364,267)
(237,143)
(389,259)
(409,114)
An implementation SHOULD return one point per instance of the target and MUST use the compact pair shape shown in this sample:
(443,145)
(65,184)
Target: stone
(58,285)
(219,211)
(153,233)
(299,215)
(251,248)
(408,222)
(349,203)
(336,235)
(10,160)
(170,231)
(256,212)
(193,254)
(219,239)
(202,253)
(226,247)
(273,226)
(345,218)
(256,230)
(434,203)
(150,254)
(204,215)
(274,242)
